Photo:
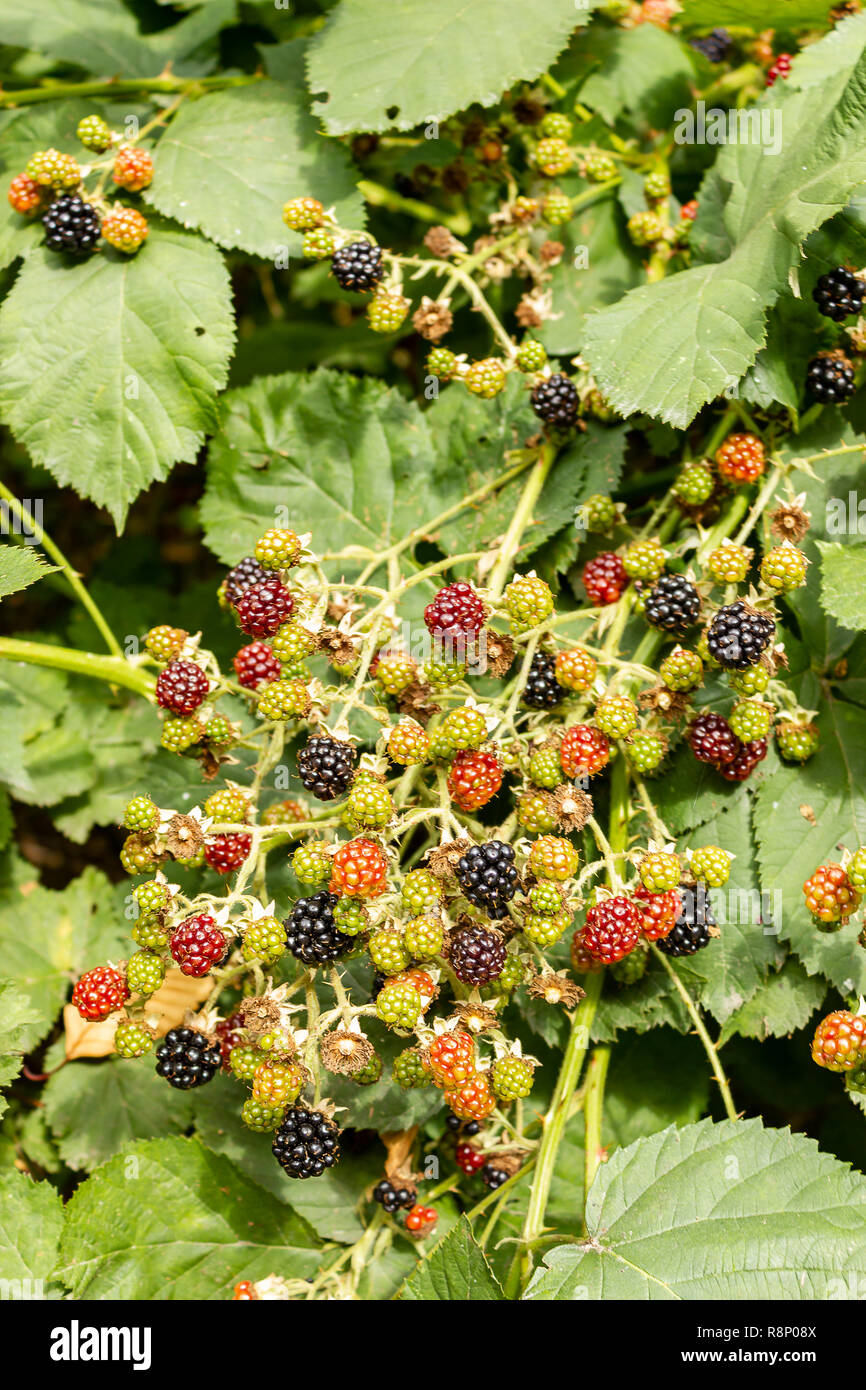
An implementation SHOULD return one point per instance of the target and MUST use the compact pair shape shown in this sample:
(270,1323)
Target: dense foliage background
(156,411)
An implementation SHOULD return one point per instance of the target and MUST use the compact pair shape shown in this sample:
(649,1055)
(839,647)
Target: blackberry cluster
(839,294)
(542,689)
(186,1059)
(691,931)
(738,636)
(715,46)
(830,378)
(325,767)
(311,935)
(493,1177)
(488,877)
(477,955)
(555,401)
(673,604)
(71,225)
(392,1198)
(245,573)
(358,266)
(306,1143)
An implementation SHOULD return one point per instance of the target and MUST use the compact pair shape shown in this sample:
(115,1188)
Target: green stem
(60,91)
(382,197)
(521,519)
(700,1029)
(593,1106)
(116,670)
(31,527)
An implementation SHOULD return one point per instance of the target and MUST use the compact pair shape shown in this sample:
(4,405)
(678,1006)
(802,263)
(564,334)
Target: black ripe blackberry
(830,378)
(186,1059)
(310,932)
(325,767)
(71,225)
(555,400)
(673,604)
(738,636)
(392,1198)
(542,689)
(839,293)
(245,573)
(691,931)
(714,46)
(493,1177)
(358,266)
(487,876)
(306,1143)
(477,955)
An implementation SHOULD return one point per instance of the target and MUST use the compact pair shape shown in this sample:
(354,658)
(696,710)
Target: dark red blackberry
(839,293)
(487,876)
(456,611)
(604,578)
(306,1143)
(673,604)
(225,853)
(493,1177)
(262,608)
(325,767)
(245,573)
(830,378)
(186,1059)
(555,401)
(197,945)
(714,46)
(712,740)
(691,931)
(310,932)
(256,664)
(71,225)
(392,1198)
(738,636)
(229,1035)
(358,266)
(542,689)
(181,687)
(744,764)
(477,955)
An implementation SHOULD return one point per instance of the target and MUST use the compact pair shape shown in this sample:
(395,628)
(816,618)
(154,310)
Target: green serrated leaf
(456,1270)
(21,566)
(31,1221)
(96,1108)
(644,71)
(781,1005)
(843,582)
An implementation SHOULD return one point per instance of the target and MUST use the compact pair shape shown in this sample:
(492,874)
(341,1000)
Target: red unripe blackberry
(839,294)
(359,869)
(741,459)
(555,401)
(451,1058)
(420,1220)
(472,1099)
(488,877)
(830,895)
(181,687)
(456,611)
(99,992)
(262,608)
(542,689)
(187,1058)
(469,1159)
(325,767)
(477,955)
(659,911)
(229,1037)
(244,574)
(198,945)
(673,604)
(358,266)
(225,853)
(839,1043)
(584,750)
(712,740)
(613,928)
(745,762)
(474,778)
(255,665)
(133,169)
(25,194)
(604,578)
(781,68)
(311,933)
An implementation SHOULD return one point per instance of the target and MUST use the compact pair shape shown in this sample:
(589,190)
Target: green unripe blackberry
(659,872)
(486,378)
(229,804)
(420,891)
(616,716)
(598,513)
(180,734)
(442,362)
(387,312)
(132,1039)
(370,1073)
(536,812)
(152,898)
(312,864)
(657,186)
(694,485)
(513,974)
(682,670)
(284,699)
(645,228)
(151,932)
(264,939)
(556,209)
(394,672)
(546,896)
(531,355)
(303,214)
(278,549)
(711,865)
(424,936)
(292,644)
(387,951)
(644,560)
(528,601)
(369,805)
(141,814)
(145,973)
(729,563)
(51,169)
(553,157)
(441,675)
(703,651)
(319,244)
(245,1061)
(631,968)
(218,730)
(555,125)
(350,916)
(511,1077)
(94,134)
(645,750)
(543,930)
(784,568)
(753,681)
(599,166)
(137,856)
(750,719)
(545,769)
(260,1117)
(398,1005)
(857,870)
(462,729)
(410,1071)
(797,742)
